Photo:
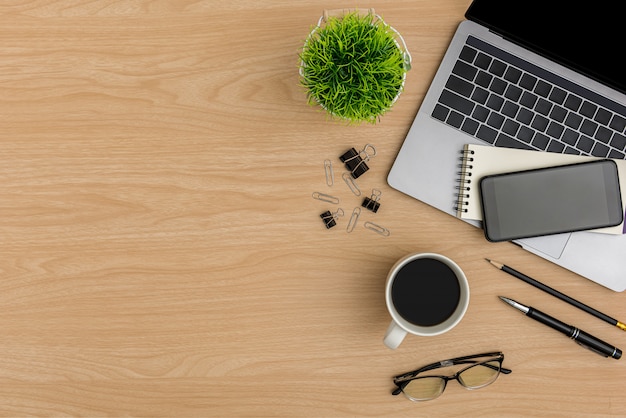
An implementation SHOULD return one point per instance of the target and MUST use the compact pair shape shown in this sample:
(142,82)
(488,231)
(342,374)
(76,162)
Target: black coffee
(425,292)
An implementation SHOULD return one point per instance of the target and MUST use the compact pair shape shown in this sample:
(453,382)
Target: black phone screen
(551,200)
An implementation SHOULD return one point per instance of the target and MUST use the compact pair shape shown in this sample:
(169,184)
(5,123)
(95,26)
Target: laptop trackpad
(551,245)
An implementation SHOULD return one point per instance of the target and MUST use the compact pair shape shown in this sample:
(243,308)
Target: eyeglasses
(483,370)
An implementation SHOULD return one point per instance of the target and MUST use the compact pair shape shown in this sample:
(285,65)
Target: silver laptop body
(427,165)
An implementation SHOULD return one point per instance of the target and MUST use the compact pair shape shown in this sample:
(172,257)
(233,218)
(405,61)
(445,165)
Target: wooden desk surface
(162,254)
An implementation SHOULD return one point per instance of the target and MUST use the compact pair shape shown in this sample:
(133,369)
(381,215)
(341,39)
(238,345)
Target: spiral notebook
(478,161)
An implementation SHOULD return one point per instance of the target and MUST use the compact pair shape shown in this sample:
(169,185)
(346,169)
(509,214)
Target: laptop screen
(585,36)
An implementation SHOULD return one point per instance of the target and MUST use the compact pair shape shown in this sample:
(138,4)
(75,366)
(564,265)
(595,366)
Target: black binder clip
(330,219)
(372,203)
(355,161)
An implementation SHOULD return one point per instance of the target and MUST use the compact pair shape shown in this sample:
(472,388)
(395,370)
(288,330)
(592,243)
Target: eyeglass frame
(404,379)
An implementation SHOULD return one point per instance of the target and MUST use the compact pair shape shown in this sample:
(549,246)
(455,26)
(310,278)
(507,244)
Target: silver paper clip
(377,228)
(328,170)
(325,198)
(354,218)
(330,218)
(354,188)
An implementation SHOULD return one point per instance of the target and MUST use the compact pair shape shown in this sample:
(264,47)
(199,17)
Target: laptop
(533,74)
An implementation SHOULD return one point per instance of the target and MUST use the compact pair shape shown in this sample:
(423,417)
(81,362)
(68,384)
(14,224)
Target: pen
(558,294)
(580,336)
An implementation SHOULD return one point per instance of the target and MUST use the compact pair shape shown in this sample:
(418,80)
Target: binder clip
(372,203)
(355,161)
(330,219)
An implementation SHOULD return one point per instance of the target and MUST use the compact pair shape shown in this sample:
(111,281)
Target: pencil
(558,294)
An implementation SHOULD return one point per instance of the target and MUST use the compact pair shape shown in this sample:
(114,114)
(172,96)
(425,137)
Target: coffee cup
(427,294)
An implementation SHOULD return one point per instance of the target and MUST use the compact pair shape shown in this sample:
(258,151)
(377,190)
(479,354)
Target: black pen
(558,294)
(580,336)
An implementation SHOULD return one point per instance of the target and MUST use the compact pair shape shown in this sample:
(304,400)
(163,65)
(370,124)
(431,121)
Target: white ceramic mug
(432,303)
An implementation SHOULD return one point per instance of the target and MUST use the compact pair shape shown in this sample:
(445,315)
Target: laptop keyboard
(508,102)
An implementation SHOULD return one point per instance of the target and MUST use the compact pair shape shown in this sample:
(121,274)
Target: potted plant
(354,65)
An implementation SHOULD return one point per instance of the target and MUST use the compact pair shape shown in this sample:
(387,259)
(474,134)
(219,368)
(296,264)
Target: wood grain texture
(161,254)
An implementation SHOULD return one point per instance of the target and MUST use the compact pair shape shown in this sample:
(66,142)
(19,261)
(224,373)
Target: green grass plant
(352,67)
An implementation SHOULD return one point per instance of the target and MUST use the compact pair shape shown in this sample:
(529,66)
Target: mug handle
(394,336)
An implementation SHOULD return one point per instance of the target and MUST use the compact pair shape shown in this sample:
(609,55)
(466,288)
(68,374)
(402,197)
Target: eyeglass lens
(473,377)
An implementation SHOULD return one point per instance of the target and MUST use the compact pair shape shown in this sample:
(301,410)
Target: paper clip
(330,219)
(372,203)
(354,188)
(328,170)
(355,161)
(354,218)
(325,198)
(377,228)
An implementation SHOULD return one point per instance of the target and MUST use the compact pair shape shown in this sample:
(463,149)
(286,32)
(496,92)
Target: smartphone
(551,200)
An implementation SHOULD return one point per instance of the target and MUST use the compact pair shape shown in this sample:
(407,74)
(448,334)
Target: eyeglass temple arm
(451,362)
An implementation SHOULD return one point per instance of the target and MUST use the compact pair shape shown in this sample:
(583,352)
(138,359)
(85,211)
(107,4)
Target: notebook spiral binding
(463,187)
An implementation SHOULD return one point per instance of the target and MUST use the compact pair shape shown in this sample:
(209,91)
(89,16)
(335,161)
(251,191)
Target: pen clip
(591,349)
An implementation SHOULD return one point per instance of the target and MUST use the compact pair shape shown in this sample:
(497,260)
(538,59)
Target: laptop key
(558,113)
(455,119)
(570,150)
(573,120)
(513,93)
(468,54)
(497,67)
(480,95)
(464,70)
(556,146)
(440,112)
(487,134)
(541,141)
(616,154)
(458,85)
(528,100)
(558,95)
(528,81)
(470,126)
(524,116)
(543,106)
(483,79)
(495,120)
(588,127)
(510,127)
(603,134)
(525,134)
(618,123)
(480,113)
(512,75)
(510,109)
(555,130)
(584,144)
(539,123)
(619,142)
(498,86)
(482,61)
(542,88)
(588,109)
(570,136)
(600,150)
(495,102)
(572,102)
(602,116)
(510,142)
(456,102)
